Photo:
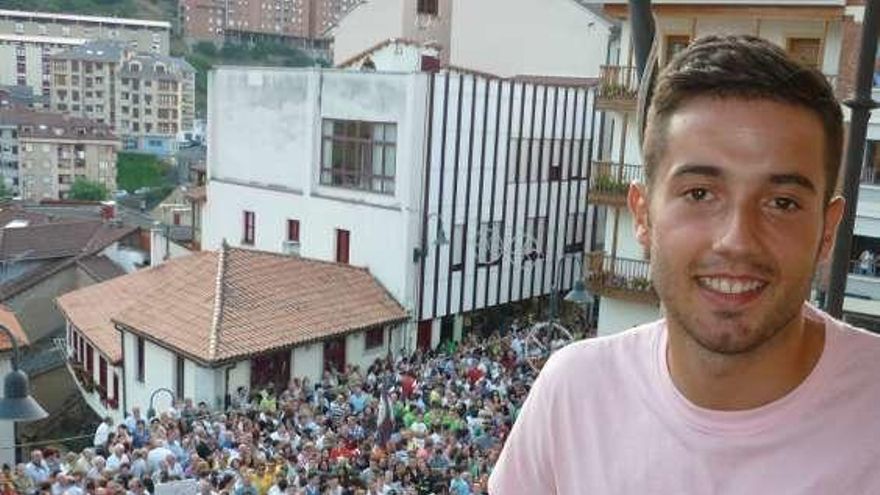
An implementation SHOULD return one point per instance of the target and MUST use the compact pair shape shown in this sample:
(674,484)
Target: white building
(557,38)
(203,325)
(374,168)
(812,30)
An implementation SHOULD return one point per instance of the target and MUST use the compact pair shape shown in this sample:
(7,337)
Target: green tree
(6,192)
(86,190)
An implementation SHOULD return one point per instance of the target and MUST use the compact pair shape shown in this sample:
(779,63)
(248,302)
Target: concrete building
(458,192)
(818,32)
(206,324)
(216,19)
(27,37)
(43,153)
(148,99)
(556,38)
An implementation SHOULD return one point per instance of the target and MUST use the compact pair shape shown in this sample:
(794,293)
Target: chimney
(108,210)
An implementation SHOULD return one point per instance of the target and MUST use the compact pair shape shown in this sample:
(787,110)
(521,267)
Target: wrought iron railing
(613,179)
(615,275)
(618,82)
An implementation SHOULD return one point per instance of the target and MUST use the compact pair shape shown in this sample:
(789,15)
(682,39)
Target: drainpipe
(861,105)
(642,24)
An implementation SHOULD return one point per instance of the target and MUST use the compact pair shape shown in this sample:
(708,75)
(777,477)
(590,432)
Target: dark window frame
(374,338)
(343,246)
(348,151)
(428,7)
(292,230)
(141,351)
(248,235)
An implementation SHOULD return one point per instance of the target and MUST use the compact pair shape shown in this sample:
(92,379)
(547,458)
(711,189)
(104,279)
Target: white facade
(528,37)
(108,403)
(501,37)
(213,384)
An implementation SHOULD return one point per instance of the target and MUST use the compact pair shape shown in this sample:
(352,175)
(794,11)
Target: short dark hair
(749,68)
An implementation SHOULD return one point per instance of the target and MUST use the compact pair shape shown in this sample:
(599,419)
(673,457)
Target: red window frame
(343,246)
(293,230)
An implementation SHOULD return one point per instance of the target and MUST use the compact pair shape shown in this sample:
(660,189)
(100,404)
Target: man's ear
(833,214)
(638,203)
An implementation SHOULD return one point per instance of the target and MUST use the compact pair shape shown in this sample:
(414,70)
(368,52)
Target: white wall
(535,37)
(159,368)
(356,354)
(367,25)
(308,361)
(163,248)
(616,315)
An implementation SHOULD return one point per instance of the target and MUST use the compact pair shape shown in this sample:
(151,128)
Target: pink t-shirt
(604,417)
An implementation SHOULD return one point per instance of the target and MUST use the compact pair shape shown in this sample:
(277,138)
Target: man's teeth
(730,286)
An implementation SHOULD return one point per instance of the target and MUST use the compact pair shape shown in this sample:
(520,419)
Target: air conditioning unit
(290,248)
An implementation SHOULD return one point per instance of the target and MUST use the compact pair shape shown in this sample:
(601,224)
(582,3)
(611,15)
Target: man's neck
(749,380)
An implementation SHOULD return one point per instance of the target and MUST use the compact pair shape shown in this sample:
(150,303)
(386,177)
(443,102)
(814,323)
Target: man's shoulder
(621,348)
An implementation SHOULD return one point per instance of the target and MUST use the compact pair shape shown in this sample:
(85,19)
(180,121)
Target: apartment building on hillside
(26,38)
(821,33)
(44,153)
(148,99)
(217,19)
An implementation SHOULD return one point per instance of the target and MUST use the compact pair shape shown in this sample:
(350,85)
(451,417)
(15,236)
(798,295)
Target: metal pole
(861,105)
(642,22)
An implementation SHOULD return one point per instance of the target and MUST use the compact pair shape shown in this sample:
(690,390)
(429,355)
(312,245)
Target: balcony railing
(620,278)
(870,176)
(618,87)
(609,182)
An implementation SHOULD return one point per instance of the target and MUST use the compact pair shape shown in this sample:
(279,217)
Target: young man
(743,387)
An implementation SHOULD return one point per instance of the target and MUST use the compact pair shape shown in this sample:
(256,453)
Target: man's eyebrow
(793,179)
(697,169)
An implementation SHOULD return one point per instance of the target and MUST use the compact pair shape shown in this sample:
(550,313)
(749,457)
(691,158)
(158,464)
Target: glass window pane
(391,133)
(377,159)
(327,154)
(328,127)
(377,132)
(390,156)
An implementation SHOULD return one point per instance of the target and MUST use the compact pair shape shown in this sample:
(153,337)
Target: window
(293,230)
(248,230)
(140,359)
(807,51)
(179,376)
(359,155)
(115,391)
(374,338)
(428,7)
(675,43)
(574,232)
(342,245)
(90,359)
(102,375)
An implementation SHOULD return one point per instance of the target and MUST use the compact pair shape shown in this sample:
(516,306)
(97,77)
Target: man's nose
(738,232)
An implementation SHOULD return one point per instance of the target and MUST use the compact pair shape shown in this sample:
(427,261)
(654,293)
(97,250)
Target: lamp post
(151,412)
(578,294)
(439,240)
(17,403)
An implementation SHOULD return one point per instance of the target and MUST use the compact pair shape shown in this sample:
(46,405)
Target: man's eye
(786,204)
(697,194)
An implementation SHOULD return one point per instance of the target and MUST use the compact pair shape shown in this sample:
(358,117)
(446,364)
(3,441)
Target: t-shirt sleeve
(525,464)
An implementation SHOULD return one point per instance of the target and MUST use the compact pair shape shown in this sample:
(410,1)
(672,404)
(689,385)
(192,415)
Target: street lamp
(578,294)
(151,411)
(17,403)
(439,240)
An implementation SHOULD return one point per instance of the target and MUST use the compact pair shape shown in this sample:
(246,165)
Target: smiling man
(743,387)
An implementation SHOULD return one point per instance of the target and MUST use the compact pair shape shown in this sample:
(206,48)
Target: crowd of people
(431,423)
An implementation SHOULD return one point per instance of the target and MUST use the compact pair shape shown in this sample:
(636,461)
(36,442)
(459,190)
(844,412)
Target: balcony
(609,182)
(619,278)
(92,392)
(618,88)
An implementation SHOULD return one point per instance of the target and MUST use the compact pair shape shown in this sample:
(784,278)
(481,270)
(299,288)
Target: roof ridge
(217,318)
(304,259)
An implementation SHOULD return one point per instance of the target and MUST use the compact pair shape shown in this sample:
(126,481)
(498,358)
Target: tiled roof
(375,48)
(100,268)
(61,243)
(11,214)
(58,239)
(217,307)
(10,321)
(35,124)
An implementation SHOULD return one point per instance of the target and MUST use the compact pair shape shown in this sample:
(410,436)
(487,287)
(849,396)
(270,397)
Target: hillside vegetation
(162,10)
